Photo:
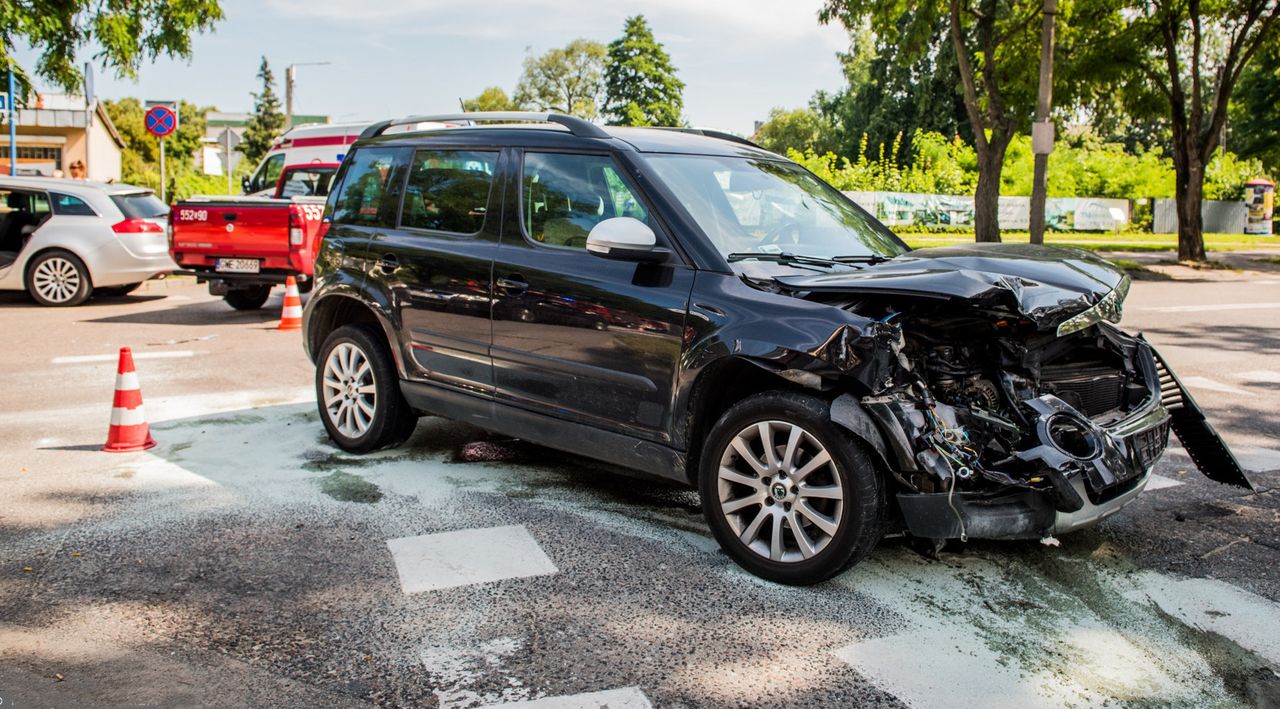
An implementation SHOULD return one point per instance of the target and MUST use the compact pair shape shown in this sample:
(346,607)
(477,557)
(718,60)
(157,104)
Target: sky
(738,58)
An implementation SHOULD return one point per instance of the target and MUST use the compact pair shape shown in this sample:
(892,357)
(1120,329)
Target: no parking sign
(161,120)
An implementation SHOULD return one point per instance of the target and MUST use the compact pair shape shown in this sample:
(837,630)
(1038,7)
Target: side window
(267,175)
(370,193)
(566,195)
(448,190)
(71,206)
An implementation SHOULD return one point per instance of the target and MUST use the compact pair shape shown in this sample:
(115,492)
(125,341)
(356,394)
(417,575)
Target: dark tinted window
(566,195)
(370,193)
(448,190)
(70,206)
(307,182)
(140,205)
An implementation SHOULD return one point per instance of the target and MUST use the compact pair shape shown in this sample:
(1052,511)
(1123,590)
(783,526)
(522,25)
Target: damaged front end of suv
(996,390)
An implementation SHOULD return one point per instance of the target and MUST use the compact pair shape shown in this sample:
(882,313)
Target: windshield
(307,181)
(756,206)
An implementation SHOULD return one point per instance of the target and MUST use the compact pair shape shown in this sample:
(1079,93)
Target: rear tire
(358,391)
(59,279)
(249,298)
(801,509)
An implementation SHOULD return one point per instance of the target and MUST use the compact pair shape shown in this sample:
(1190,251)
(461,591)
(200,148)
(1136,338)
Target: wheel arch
(25,264)
(333,310)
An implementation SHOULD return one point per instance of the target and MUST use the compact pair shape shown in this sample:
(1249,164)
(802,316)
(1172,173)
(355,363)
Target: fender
(847,412)
(324,301)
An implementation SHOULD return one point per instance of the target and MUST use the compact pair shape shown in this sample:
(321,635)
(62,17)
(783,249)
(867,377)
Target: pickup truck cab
(242,246)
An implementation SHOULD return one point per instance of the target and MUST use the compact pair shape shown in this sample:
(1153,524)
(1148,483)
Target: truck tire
(358,391)
(790,495)
(248,298)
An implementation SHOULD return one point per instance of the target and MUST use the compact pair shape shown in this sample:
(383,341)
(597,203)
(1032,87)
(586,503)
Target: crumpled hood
(1046,284)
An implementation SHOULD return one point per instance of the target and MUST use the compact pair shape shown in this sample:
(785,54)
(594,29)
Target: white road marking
(1257,460)
(627,698)
(470,556)
(1249,620)
(86,359)
(1212,307)
(1160,482)
(1211,385)
(1266,376)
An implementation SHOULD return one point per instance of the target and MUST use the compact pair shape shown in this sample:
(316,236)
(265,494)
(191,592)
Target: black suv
(684,303)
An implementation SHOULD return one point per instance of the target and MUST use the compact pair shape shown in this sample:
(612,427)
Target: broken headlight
(1108,308)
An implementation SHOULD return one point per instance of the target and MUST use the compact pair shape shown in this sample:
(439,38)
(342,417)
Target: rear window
(448,190)
(307,182)
(370,193)
(70,206)
(140,205)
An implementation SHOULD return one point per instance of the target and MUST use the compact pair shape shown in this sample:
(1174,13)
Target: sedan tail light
(137,226)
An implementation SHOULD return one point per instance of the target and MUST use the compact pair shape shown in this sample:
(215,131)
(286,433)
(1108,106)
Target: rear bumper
(246,279)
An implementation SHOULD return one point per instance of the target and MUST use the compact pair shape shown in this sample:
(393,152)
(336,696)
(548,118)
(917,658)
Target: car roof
(69,185)
(540,135)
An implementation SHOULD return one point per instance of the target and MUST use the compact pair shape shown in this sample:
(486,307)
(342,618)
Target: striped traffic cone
(129,429)
(291,316)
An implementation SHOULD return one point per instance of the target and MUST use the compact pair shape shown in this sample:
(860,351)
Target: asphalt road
(245,561)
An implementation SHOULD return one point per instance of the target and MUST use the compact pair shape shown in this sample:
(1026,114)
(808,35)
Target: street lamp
(290,73)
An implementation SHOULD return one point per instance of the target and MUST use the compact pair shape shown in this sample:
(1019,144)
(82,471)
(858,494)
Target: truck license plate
(238,265)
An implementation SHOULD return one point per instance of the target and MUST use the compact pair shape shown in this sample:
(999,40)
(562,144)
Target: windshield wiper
(872,259)
(783,258)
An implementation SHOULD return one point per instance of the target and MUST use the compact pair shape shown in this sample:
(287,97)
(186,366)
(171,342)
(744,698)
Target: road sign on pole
(228,139)
(161,120)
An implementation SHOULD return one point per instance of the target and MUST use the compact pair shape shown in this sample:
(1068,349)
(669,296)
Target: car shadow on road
(19,299)
(214,312)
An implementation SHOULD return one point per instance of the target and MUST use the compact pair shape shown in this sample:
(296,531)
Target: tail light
(137,226)
(295,230)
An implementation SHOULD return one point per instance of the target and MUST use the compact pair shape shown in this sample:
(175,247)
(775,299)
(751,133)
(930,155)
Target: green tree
(493,98)
(140,160)
(641,88)
(267,120)
(564,80)
(1185,57)
(996,46)
(885,95)
(1251,130)
(801,130)
(125,34)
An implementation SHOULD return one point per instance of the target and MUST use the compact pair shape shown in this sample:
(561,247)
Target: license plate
(238,265)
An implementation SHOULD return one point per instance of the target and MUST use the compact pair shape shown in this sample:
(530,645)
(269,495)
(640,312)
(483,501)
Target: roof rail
(576,126)
(711,133)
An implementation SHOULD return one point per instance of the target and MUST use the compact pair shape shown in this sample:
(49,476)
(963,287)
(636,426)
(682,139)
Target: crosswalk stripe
(470,556)
(626,698)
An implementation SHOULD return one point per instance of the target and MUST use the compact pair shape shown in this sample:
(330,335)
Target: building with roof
(211,154)
(56,130)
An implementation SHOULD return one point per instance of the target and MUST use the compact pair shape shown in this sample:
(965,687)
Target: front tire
(58,279)
(358,391)
(791,496)
(250,298)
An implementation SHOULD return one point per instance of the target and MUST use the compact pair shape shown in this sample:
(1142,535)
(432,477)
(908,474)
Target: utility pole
(1042,130)
(12,110)
(290,74)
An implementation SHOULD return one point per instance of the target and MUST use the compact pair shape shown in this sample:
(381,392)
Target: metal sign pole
(12,110)
(226,157)
(162,185)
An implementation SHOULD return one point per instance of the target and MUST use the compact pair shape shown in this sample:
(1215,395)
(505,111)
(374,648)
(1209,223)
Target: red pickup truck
(242,246)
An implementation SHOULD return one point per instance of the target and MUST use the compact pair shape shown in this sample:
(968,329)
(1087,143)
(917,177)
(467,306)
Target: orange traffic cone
(129,429)
(291,316)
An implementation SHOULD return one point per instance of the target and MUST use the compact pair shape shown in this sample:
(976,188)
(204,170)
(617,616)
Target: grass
(1269,259)
(1125,241)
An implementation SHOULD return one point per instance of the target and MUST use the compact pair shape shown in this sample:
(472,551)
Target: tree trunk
(986,201)
(1189,192)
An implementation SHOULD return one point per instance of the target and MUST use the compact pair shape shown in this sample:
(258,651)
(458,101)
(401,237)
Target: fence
(930,210)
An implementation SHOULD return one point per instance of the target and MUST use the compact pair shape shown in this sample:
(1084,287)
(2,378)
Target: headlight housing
(1109,308)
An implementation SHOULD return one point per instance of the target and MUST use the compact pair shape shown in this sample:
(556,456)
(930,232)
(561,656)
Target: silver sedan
(64,240)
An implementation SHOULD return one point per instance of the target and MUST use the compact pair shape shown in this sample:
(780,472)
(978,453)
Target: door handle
(388,263)
(513,284)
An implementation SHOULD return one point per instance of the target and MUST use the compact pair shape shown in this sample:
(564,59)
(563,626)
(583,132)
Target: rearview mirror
(625,239)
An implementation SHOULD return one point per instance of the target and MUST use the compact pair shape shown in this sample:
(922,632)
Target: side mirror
(625,239)
(245,184)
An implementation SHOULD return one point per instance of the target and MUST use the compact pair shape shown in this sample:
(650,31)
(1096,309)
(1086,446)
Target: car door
(435,267)
(577,336)
(366,203)
(22,212)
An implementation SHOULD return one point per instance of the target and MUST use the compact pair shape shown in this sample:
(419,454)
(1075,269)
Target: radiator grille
(1149,444)
(1092,389)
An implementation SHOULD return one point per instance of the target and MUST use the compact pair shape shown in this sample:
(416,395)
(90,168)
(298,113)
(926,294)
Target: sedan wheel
(58,278)
(350,392)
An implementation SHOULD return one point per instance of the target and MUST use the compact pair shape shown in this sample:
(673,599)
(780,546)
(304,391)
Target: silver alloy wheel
(56,279)
(780,491)
(350,393)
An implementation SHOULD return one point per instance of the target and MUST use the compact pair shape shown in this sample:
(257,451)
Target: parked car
(65,240)
(817,380)
(243,246)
